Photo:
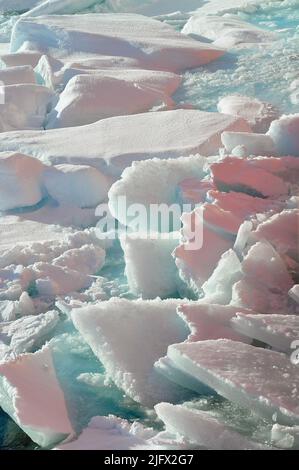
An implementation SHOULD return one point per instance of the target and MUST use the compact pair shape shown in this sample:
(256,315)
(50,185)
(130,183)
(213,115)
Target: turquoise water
(264,73)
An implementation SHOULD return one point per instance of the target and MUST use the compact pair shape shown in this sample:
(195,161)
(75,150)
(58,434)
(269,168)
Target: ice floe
(118,348)
(264,380)
(155,44)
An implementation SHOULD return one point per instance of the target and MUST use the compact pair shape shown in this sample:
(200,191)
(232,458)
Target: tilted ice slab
(31,395)
(201,428)
(285,134)
(19,59)
(244,175)
(257,378)
(128,337)
(281,230)
(258,114)
(24,106)
(12,309)
(89,98)
(150,268)
(20,181)
(17,75)
(211,321)
(265,283)
(157,45)
(25,334)
(227,31)
(149,182)
(139,137)
(279,331)
(208,232)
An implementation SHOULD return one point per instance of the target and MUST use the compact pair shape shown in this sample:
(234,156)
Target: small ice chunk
(150,268)
(25,334)
(285,437)
(79,185)
(279,331)
(258,113)
(20,181)
(294,293)
(260,379)
(252,144)
(285,134)
(25,106)
(31,395)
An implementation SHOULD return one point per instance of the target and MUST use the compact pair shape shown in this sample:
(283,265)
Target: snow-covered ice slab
(168,134)
(20,181)
(89,98)
(260,379)
(157,45)
(31,395)
(25,106)
(150,268)
(17,75)
(153,181)
(128,337)
(218,7)
(258,114)
(25,334)
(201,428)
(227,31)
(279,331)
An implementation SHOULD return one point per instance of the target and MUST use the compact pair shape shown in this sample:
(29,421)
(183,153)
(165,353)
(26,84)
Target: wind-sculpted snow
(164,135)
